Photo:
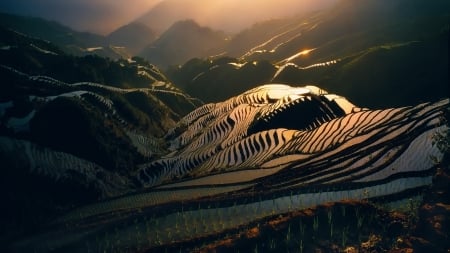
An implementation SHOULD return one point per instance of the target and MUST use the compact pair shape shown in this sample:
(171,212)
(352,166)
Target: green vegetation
(442,141)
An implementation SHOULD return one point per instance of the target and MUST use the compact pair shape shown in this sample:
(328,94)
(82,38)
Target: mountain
(230,16)
(162,16)
(49,30)
(69,40)
(417,69)
(358,49)
(329,32)
(182,41)
(264,33)
(166,17)
(203,78)
(134,37)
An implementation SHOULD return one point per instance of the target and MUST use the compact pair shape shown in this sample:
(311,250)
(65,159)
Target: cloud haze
(228,15)
(234,15)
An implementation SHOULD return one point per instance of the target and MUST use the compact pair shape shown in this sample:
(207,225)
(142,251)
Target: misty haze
(224,126)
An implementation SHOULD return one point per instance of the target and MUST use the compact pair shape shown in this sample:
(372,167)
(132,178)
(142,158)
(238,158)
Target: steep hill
(182,41)
(134,37)
(230,16)
(134,91)
(162,16)
(401,74)
(364,50)
(348,27)
(215,80)
(67,39)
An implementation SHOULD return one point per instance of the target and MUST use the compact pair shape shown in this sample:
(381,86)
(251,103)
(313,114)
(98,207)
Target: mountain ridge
(197,41)
(133,36)
(220,15)
(315,49)
(71,41)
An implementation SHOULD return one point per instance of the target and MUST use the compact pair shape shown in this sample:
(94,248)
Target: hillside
(134,37)
(248,170)
(182,41)
(73,129)
(204,78)
(365,51)
(230,16)
(49,30)
(67,39)
(348,27)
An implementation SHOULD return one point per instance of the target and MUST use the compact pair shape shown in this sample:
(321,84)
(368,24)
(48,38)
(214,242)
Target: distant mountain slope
(261,35)
(391,74)
(372,78)
(165,14)
(350,26)
(182,41)
(69,40)
(49,30)
(134,37)
(215,80)
(366,50)
(230,15)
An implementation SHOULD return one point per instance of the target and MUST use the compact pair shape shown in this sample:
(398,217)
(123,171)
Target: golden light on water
(305,52)
(293,57)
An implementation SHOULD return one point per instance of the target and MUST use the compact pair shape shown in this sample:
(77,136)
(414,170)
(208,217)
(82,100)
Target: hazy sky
(229,15)
(103,16)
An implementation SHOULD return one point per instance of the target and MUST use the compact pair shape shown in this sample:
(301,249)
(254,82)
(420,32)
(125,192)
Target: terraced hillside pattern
(321,132)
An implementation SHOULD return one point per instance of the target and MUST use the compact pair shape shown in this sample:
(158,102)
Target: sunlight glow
(305,52)
(301,53)
(280,91)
